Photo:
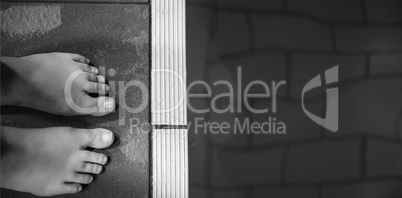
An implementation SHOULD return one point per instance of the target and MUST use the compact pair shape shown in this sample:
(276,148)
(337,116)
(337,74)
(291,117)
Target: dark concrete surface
(83,1)
(112,36)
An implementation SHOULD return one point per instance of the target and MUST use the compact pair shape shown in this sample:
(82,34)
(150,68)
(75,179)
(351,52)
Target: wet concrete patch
(24,21)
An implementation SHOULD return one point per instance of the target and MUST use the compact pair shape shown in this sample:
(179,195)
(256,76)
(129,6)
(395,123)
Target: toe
(95,138)
(79,58)
(70,188)
(92,157)
(92,87)
(101,79)
(82,178)
(96,78)
(92,77)
(89,69)
(90,168)
(104,105)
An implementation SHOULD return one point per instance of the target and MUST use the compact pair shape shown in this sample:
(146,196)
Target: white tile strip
(168,78)
(170,163)
(168,104)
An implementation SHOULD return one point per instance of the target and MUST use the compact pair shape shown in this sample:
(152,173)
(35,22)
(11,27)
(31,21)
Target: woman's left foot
(57,83)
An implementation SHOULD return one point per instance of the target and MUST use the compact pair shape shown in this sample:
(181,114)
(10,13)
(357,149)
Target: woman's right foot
(51,161)
(44,82)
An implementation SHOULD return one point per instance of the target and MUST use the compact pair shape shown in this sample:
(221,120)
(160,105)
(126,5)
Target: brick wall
(296,40)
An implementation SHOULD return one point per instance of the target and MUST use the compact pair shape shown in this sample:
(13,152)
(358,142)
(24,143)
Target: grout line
(170,126)
(363,7)
(319,191)
(264,50)
(335,183)
(252,31)
(208,165)
(213,28)
(285,164)
(323,131)
(285,5)
(342,86)
(333,39)
(209,152)
(199,4)
(250,192)
(398,122)
(363,157)
(288,73)
(300,14)
(305,141)
(367,64)
(250,137)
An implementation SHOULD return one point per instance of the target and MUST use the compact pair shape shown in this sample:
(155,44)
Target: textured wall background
(296,40)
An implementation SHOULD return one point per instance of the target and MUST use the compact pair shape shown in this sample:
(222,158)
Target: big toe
(95,138)
(99,106)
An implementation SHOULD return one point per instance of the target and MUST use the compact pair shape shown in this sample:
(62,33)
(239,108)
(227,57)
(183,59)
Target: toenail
(99,169)
(101,79)
(107,88)
(104,160)
(108,104)
(107,137)
(95,70)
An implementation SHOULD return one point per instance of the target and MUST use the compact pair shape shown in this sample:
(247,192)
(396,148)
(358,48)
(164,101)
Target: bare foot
(38,81)
(51,161)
